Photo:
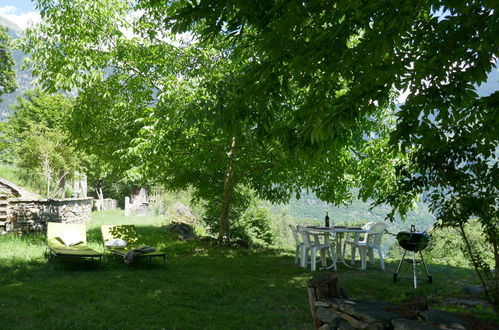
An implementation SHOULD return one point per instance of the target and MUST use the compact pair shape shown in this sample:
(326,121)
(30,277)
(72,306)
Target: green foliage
(349,58)
(304,88)
(280,221)
(10,173)
(7,73)
(454,157)
(195,131)
(35,139)
(448,248)
(189,115)
(14,174)
(250,218)
(254,225)
(163,201)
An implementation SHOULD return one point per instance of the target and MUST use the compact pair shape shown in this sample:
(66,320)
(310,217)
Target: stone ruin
(105,204)
(138,203)
(22,211)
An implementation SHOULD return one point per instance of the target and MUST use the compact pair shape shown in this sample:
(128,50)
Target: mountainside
(310,209)
(13,28)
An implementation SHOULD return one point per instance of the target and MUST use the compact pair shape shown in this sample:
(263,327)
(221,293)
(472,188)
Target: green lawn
(201,286)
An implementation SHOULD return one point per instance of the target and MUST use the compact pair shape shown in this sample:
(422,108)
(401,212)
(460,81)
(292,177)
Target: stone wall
(337,313)
(106,204)
(26,215)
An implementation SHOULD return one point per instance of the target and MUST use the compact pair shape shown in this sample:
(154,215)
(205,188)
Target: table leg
(326,241)
(340,249)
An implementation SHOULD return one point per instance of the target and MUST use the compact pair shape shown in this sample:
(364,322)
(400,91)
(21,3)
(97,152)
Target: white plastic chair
(314,246)
(371,242)
(299,244)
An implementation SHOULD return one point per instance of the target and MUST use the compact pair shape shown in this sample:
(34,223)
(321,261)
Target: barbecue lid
(413,240)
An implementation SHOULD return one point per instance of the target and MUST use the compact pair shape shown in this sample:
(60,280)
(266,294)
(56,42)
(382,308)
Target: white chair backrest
(305,235)
(295,234)
(367,226)
(375,234)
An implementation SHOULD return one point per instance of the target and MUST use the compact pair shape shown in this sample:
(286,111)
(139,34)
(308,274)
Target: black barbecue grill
(416,242)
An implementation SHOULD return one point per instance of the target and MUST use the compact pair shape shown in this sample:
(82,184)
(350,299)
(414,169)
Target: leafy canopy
(309,79)
(437,50)
(201,114)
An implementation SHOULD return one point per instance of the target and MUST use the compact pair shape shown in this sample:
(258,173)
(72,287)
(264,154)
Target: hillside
(311,210)
(13,28)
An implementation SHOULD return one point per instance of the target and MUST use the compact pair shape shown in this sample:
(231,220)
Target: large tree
(312,76)
(439,51)
(186,113)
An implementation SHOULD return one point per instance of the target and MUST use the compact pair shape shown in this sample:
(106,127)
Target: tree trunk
(62,182)
(224,228)
(47,172)
(489,281)
(229,182)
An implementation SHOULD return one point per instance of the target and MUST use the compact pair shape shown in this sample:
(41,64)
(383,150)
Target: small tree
(36,136)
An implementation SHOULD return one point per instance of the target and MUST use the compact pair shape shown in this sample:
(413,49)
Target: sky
(21,12)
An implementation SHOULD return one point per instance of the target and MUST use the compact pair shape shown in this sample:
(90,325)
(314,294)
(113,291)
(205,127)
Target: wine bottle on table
(326,221)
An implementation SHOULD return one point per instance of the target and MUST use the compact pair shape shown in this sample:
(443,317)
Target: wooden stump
(319,288)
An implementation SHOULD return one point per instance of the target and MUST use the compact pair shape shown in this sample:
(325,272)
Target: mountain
(309,210)
(14,30)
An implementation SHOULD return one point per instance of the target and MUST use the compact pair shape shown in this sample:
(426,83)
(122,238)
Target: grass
(10,173)
(201,286)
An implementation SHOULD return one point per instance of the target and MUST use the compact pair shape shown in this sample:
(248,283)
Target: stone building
(22,211)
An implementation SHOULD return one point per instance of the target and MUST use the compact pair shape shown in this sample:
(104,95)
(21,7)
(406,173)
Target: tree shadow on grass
(254,290)
(223,287)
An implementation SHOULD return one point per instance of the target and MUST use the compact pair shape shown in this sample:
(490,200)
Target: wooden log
(326,286)
(312,299)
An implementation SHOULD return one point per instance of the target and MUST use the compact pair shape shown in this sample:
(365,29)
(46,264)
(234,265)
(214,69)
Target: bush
(447,246)
(249,218)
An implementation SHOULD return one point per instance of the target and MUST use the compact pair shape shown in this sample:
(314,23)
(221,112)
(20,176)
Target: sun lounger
(66,240)
(133,248)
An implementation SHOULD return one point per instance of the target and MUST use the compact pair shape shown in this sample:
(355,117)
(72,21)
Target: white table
(338,232)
